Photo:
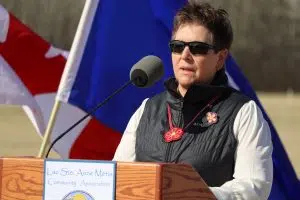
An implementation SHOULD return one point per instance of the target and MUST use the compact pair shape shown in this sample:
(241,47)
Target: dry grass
(18,137)
(284,111)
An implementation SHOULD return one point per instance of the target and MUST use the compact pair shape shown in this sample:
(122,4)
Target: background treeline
(266,45)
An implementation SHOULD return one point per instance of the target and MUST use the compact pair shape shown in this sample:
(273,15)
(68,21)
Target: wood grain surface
(22,179)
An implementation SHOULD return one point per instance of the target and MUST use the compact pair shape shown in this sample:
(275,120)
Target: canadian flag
(30,72)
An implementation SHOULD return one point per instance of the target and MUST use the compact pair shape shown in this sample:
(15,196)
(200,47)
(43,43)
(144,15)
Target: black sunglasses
(196,48)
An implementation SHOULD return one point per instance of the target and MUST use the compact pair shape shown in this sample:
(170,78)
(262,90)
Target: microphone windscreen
(147,71)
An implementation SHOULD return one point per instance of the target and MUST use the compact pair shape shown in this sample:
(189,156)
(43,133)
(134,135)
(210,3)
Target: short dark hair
(215,20)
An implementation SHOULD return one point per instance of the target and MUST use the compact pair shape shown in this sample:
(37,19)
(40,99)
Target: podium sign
(79,179)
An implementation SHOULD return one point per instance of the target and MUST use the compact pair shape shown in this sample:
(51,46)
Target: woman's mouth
(187,70)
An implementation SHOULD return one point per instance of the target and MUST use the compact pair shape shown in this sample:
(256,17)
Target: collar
(198,93)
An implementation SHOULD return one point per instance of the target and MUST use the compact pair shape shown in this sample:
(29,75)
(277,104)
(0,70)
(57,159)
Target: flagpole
(49,129)
(71,68)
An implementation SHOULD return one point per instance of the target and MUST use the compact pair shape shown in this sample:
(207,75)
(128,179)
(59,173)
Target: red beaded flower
(173,134)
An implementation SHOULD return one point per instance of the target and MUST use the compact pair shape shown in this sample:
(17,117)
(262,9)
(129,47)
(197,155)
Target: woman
(199,119)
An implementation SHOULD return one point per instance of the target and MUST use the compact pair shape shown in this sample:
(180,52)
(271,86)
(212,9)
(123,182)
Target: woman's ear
(222,55)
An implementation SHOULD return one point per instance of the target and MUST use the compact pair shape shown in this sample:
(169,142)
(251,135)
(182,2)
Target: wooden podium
(22,178)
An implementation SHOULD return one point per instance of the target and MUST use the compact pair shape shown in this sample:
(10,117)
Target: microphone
(144,73)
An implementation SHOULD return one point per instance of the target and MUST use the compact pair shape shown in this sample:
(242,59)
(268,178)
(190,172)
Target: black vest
(208,147)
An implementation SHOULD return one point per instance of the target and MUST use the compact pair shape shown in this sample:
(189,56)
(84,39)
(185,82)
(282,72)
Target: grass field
(18,137)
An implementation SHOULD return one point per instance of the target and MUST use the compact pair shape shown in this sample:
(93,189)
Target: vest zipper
(168,152)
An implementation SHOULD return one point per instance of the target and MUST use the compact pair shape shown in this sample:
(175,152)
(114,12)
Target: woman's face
(192,68)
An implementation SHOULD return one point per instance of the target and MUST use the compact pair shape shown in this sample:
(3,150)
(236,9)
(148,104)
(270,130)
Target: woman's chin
(186,84)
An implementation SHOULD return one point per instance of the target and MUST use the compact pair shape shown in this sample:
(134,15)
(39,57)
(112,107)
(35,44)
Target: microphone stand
(87,115)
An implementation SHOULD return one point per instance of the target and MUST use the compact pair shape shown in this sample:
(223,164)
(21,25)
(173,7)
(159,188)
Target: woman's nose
(186,53)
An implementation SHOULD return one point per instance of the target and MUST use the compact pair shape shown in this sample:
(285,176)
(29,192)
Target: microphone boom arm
(87,115)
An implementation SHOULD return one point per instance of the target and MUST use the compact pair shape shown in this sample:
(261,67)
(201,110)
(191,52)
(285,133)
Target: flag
(30,72)
(115,36)
(24,56)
